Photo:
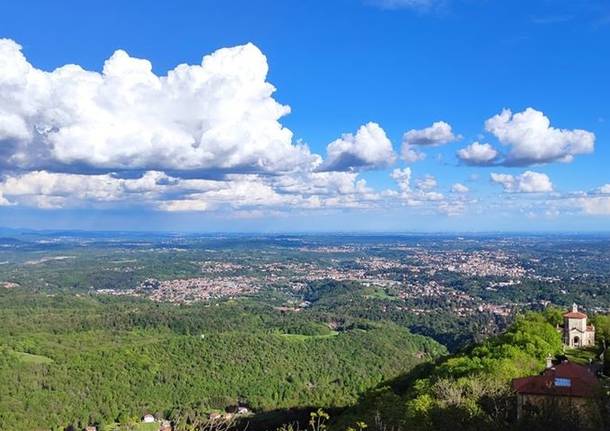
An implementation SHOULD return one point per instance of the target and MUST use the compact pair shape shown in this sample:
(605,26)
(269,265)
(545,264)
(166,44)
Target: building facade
(565,388)
(576,332)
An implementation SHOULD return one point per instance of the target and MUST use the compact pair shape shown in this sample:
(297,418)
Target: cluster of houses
(165,425)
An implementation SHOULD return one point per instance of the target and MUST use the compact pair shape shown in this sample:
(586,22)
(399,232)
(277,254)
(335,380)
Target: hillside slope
(470,390)
(74,361)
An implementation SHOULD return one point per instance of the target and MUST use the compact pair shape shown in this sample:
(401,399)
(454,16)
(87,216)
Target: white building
(576,332)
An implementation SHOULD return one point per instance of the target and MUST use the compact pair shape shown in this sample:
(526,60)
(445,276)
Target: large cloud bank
(208,137)
(216,115)
(235,191)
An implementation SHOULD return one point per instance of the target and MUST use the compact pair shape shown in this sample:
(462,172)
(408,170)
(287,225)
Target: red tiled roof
(582,382)
(575,315)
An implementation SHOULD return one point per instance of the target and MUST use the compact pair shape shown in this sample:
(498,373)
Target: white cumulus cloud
(605,189)
(219,114)
(424,188)
(598,206)
(459,188)
(369,148)
(439,133)
(532,140)
(426,183)
(477,154)
(411,155)
(452,208)
(527,182)
(402,177)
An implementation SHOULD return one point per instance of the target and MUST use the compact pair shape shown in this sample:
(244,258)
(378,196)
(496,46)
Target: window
(562,382)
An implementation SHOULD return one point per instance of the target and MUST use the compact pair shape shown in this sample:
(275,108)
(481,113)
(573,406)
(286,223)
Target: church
(576,332)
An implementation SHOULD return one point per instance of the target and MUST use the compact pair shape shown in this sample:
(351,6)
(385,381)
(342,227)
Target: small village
(414,278)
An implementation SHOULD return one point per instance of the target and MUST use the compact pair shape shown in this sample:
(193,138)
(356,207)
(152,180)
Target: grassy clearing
(132,427)
(300,337)
(582,356)
(378,293)
(28,358)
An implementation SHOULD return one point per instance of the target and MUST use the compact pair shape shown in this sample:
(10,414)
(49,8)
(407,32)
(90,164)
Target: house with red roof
(567,387)
(576,332)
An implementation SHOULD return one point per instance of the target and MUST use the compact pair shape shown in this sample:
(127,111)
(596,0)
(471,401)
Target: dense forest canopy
(78,360)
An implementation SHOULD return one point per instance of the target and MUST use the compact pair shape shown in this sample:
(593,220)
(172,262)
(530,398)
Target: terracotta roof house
(567,386)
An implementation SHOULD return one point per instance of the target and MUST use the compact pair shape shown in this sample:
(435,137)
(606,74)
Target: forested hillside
(471,390)
(68,360)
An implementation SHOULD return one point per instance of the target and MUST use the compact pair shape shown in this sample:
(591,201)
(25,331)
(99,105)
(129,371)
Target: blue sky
(77,157)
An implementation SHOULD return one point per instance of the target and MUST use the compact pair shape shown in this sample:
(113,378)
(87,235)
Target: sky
(311,115)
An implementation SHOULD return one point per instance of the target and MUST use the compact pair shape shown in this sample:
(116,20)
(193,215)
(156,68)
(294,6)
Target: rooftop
(565,379)
(575,315)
